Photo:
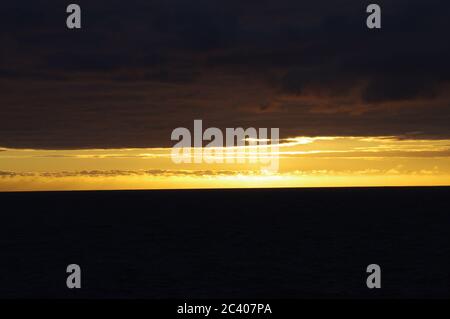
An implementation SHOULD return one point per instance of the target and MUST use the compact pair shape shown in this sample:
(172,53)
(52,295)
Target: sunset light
(303,162)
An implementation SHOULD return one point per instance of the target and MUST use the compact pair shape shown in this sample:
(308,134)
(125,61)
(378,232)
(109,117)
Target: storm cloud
(138,69)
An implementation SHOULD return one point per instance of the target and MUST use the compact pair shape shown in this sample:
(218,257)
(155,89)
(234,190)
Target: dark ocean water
(283,243)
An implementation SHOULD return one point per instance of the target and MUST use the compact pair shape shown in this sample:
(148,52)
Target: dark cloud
(118,173)
(399,88)
(138,69)
(5,174)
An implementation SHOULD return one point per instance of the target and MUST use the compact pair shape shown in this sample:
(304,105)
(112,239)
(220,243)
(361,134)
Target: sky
(94,108)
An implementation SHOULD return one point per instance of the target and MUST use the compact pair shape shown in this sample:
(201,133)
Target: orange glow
(303,162)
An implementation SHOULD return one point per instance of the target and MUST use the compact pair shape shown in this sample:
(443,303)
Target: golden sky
(303,162)
(83,110)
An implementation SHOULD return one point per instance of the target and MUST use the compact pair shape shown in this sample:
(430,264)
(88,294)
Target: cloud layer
(138,69)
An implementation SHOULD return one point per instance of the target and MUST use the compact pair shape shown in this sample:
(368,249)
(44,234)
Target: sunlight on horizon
(303,162)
